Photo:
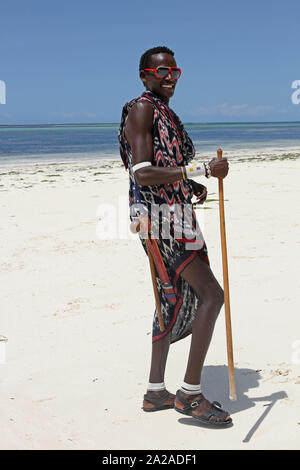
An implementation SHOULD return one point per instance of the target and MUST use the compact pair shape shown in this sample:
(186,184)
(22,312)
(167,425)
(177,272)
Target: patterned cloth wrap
(172,147)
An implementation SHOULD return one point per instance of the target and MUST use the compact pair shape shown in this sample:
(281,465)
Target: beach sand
(77,311)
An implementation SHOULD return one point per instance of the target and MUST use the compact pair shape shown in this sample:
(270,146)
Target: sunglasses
(162,72)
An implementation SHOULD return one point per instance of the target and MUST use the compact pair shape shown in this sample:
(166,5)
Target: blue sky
(74,61)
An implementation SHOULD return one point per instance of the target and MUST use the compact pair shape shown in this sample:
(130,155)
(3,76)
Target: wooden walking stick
(135,227)
(156,295)
(155,259)
(232,390)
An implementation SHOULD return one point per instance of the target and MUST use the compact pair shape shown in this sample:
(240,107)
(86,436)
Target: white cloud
(226,109)
(74,115)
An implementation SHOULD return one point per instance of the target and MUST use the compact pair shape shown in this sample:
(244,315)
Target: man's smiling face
(163,87)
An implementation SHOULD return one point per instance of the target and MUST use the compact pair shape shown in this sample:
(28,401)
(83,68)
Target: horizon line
(118,123)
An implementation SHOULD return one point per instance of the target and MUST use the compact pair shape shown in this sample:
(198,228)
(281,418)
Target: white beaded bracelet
(195,169)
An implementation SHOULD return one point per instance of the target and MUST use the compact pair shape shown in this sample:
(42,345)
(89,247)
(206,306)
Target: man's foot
(158,400)
(201,409)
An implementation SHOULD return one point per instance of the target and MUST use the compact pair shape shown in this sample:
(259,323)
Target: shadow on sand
(215,380)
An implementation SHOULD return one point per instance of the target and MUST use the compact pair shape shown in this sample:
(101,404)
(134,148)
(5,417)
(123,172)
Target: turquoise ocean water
(66,143)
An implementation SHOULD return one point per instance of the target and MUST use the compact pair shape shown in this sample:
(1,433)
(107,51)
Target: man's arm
(138,133)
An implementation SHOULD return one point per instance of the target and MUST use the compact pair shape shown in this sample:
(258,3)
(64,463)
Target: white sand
(77,312)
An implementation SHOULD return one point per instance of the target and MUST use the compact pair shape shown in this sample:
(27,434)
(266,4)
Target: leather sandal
(158,402)
(213,417)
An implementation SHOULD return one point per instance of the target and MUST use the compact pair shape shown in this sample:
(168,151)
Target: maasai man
(156,149)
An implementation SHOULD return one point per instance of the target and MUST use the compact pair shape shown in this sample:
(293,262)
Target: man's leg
(211,298)
(160,351)
(159,357)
